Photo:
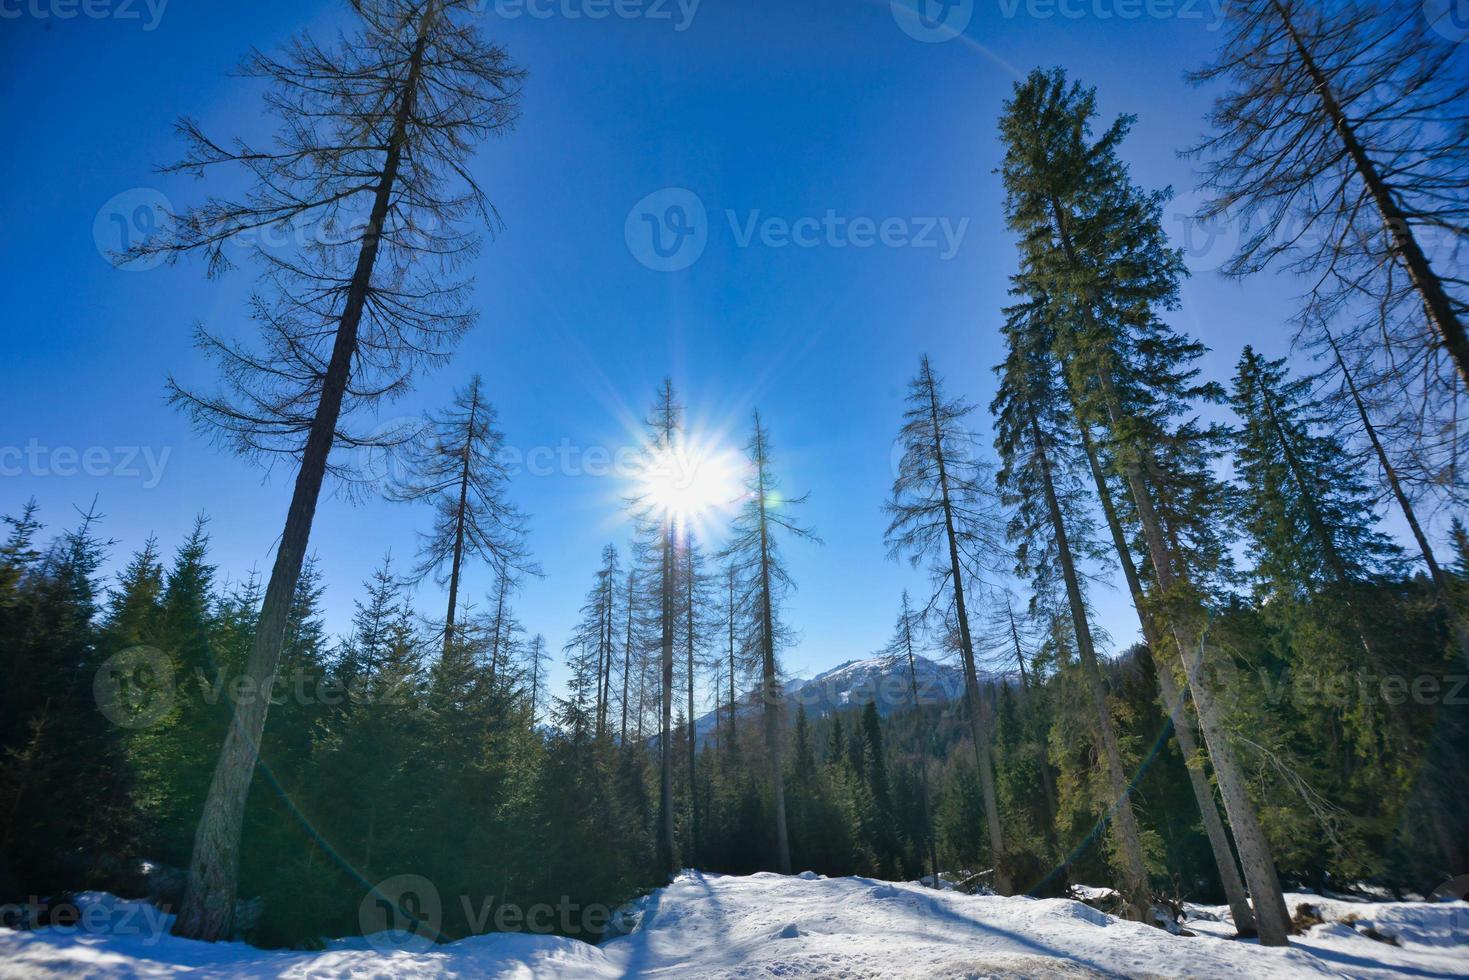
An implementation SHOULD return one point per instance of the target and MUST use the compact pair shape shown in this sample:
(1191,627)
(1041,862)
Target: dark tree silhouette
(458,466)
(373,148)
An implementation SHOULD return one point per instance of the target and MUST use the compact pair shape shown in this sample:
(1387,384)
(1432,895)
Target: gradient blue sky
(786,107)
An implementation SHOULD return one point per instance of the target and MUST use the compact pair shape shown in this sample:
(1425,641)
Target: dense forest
(1297,714)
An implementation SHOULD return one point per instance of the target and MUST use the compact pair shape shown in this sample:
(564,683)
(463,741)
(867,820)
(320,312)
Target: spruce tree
(903,643)
(1092,244)
(1310,520)
(596,632)
(1040,478)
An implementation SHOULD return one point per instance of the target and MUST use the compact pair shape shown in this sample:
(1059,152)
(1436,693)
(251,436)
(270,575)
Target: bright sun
(686,483)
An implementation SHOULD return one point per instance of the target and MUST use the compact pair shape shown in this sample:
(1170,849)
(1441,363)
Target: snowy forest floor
(767,925)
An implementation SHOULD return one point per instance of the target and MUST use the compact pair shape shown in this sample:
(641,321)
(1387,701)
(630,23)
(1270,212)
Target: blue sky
(761,109)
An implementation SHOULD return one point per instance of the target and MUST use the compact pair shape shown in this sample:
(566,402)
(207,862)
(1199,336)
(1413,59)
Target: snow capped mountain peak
(883,679)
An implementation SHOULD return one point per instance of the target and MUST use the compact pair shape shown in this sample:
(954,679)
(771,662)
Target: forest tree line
(1243,746)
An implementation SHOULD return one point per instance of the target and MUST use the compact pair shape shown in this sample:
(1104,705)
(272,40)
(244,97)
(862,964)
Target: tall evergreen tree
(942,512)
(1310,520)
(1040,477)
(596,633)
(536,657)
(1092,244)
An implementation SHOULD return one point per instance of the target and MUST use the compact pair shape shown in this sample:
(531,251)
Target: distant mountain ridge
(883,680)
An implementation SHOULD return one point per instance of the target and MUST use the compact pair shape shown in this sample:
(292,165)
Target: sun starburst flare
(691,484)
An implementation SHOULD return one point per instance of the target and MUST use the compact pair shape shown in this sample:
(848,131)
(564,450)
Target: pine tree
(459,467)
(366,647)
(754,556)
(499,630)
(692,598)
(1092,244)
(1310,520)
(17,555)
(1313,537)
(345,318)
(942,512)
(883,830)
(176,755)
(64,789)
(1040,478)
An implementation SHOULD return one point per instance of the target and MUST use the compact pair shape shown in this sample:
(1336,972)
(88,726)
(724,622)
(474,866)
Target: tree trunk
(667,853)
(733,739)
(627,656)
(933,856)
(1183,723)
(978,722)
(771,686)
(692,733)
(495,635)
(458,560)
(1272,918)
(1186,620)
(1437,305)
(1435,570)
(208,907)
(1120,812)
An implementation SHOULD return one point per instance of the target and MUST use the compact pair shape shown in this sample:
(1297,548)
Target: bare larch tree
(373,152)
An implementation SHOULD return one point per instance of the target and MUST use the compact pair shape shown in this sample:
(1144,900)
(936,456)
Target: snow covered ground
(768,925)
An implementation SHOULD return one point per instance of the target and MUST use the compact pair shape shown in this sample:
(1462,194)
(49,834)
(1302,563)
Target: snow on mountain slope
(881,679)
(766,925)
